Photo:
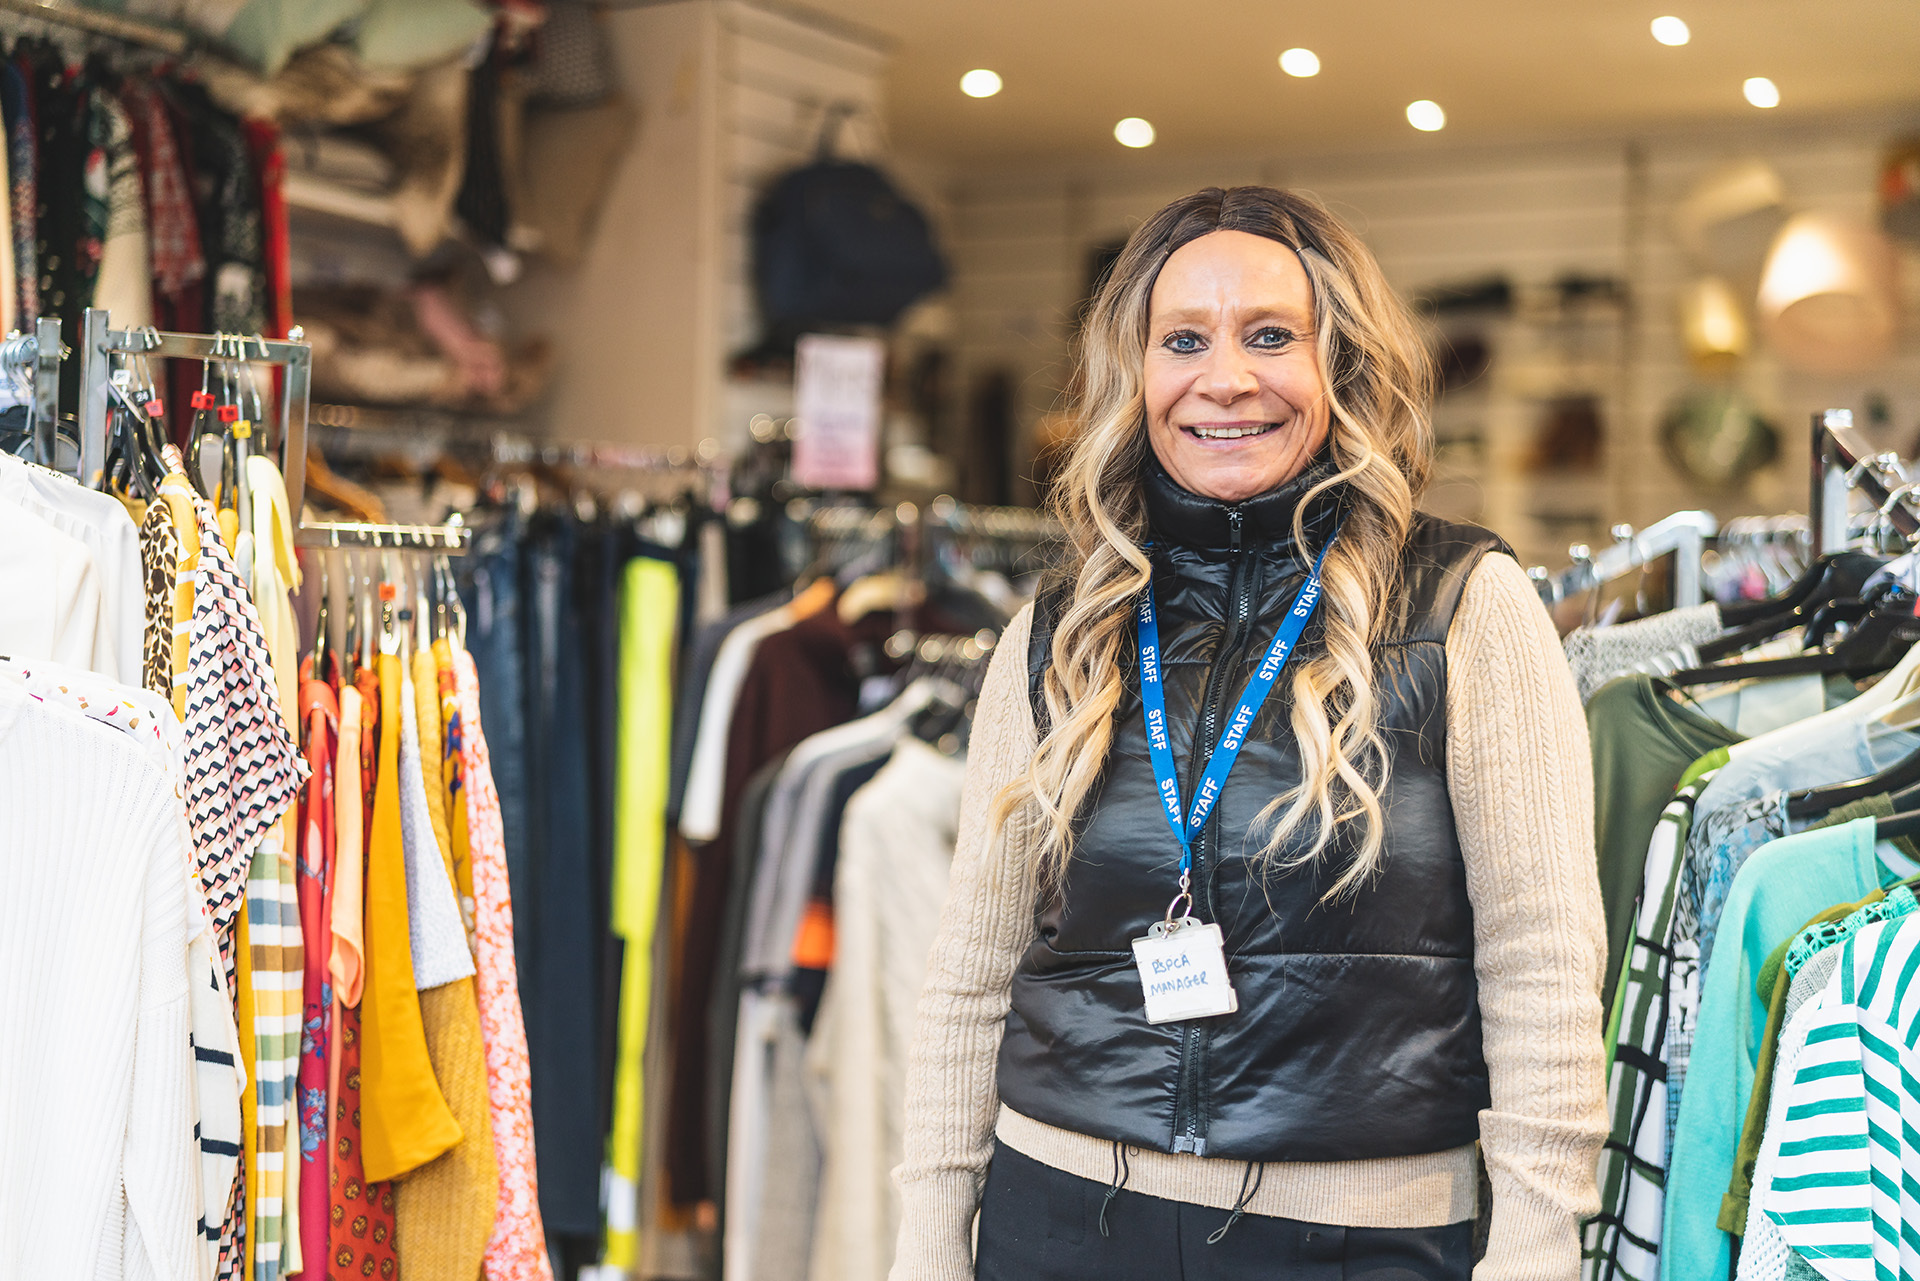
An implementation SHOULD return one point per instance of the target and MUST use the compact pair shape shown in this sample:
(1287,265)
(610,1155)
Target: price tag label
(1184,973)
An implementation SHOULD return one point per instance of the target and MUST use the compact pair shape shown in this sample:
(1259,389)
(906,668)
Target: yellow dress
(405,1122)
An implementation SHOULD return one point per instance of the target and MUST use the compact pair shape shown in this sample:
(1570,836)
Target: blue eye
(1272,336)
(1184,343)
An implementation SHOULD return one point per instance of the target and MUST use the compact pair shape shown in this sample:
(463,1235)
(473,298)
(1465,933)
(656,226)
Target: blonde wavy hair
(1379,380)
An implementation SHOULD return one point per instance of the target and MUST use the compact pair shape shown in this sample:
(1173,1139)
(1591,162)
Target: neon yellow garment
(649,609)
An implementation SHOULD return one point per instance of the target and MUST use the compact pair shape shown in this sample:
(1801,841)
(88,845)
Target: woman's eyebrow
(1198,315)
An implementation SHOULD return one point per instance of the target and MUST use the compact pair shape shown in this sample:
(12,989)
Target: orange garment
(405,1119)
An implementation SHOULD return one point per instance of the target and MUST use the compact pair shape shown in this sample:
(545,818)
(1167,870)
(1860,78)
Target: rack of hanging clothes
(302,977)
(1755,800)
(131,188)
(814,793)
(123,408)
(148,681)
(1682,535)
(415,1131)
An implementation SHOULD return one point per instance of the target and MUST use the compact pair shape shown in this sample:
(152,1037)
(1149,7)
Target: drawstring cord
(1256,1172)
(1122,1171)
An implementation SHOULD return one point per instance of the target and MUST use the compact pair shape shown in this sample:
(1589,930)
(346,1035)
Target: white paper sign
(1184,974)
(837,384)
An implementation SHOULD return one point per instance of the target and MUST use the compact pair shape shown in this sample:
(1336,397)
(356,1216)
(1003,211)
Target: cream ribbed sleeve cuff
(1521,778)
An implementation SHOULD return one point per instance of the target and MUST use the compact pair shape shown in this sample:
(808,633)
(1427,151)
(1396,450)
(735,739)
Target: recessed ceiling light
(980,83)
(1134,132)
(1761,92)
(1671,30)
(1300,62)
(1426,115)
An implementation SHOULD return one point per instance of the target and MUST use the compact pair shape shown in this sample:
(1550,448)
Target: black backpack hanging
(834,243)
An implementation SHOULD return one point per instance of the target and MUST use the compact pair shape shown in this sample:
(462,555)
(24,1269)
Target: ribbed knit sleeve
(951,1097)
(96,1083)
(1520,775)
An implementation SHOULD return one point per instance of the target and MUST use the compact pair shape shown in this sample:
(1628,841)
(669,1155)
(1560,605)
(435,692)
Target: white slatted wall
(1534,213)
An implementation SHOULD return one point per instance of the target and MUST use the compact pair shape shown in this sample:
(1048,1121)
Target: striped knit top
(1842,1189)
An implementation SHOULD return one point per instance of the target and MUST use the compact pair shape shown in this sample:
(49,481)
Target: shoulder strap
(1048,606)
(1439,558)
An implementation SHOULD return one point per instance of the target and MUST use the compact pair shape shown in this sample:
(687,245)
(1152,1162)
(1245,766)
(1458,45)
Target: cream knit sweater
(99,1170)
(1521,782)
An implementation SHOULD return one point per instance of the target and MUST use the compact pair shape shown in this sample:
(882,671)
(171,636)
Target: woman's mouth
(1228,431)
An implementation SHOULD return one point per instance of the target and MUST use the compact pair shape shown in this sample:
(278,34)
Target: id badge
(1183,971)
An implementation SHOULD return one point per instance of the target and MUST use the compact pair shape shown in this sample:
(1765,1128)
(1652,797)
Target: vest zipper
(1189,1123)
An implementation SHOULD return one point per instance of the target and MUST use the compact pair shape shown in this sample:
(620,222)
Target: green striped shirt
(1846,1190)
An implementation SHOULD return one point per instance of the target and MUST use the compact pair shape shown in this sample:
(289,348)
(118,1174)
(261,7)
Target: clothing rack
(1682,535)
(1843,461)
(936,648)
(1013,524)
(450,539)
(34,360)
(508,448)
(100,343)
(97,23)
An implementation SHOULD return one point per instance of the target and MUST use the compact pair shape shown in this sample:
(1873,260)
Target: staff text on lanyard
(1182,962)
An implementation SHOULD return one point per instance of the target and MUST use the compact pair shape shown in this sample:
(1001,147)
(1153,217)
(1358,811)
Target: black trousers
(1041,1224)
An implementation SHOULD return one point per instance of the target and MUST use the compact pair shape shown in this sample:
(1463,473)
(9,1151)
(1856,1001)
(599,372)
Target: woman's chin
(1231,471)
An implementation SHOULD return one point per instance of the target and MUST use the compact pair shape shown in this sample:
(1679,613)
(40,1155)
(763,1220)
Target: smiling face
(1235,401)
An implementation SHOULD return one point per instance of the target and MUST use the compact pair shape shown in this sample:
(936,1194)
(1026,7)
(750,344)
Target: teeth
(1230,433)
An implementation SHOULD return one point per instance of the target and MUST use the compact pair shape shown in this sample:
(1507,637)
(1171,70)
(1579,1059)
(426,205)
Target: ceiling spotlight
(1300,62)
(1426,115)
(980,83)
(1671,30)
(1761,92)
(1134,132)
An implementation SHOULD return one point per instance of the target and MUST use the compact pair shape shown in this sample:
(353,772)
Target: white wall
(1438,214)
(730,94)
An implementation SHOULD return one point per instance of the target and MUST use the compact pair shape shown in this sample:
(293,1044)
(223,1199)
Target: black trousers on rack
(1042,1224)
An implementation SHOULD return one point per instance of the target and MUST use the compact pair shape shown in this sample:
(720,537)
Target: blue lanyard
(1153,699)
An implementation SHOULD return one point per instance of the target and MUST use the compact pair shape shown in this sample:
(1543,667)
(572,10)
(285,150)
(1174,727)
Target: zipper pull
(1235,518)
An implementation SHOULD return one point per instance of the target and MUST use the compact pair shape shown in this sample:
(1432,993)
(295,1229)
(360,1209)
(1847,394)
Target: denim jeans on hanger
(489,583)
(561,986)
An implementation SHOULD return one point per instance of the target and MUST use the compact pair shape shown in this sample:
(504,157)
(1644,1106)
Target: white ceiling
(1205,72)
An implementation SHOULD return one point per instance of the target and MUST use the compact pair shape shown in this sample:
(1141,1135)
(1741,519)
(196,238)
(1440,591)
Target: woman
(1384,942)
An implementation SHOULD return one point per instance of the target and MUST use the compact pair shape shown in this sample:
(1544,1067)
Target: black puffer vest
(1358,1032)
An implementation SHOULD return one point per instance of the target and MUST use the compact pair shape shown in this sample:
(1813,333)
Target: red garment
(173,233)
(320,714)
(359,1215)
(270,163)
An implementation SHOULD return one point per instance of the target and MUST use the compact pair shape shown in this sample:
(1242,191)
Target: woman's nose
(1228,375)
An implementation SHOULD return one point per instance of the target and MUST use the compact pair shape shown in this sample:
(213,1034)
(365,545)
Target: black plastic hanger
(1875,645)
(1896,826)
(1815,801)
(1833,578)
